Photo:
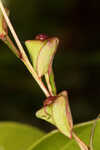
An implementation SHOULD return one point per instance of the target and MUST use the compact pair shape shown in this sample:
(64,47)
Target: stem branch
(48,83)
(11,45)
(93,132)
(24,59)
(81,144)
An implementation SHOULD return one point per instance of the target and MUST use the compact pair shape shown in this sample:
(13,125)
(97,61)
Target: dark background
(76,65)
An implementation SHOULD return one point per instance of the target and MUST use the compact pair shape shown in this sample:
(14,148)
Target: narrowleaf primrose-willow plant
(42,49)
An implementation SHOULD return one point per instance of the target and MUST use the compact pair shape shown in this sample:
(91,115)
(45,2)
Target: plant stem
(92,135)
(24,58)
(81,144)
(11,45)
(48,83)
(92,132)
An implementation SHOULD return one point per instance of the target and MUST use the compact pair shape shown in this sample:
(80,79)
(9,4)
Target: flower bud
(42,51)
(58,113)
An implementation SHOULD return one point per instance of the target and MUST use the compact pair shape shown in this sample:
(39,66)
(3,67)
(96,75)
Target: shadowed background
(76,65)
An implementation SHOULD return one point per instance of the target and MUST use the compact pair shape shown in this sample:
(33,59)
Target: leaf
(52,141)
(16,136)
(84,132)
(57,141)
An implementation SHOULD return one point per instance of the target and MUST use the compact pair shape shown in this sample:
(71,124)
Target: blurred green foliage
(77,62)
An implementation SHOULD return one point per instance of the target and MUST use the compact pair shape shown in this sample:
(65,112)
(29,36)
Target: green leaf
(57,141)
(52,141)
(16,136)
(84,132)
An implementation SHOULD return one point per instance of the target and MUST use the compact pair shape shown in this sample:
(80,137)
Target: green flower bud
(42,52)
(57,112)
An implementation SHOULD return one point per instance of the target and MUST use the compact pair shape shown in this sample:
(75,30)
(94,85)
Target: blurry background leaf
(14,136)
(56,141)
